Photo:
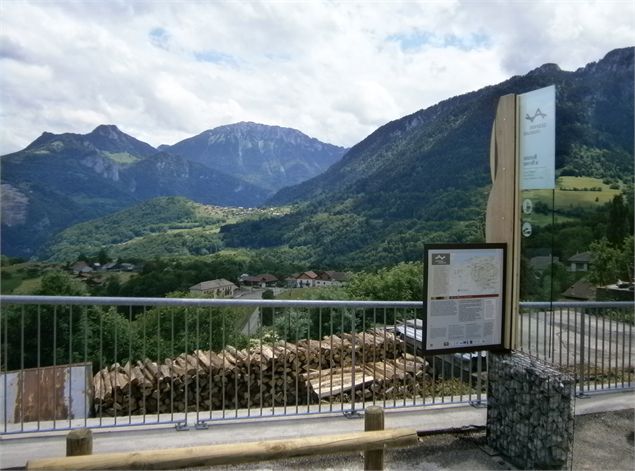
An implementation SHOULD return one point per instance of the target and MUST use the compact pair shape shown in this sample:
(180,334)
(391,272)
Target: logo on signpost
(536,114)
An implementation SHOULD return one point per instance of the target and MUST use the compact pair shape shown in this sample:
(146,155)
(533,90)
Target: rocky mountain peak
(268,156)
(545,69)
(110,131)
(109,138)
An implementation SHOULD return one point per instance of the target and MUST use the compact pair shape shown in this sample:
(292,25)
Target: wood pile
(263,375)
(389,379)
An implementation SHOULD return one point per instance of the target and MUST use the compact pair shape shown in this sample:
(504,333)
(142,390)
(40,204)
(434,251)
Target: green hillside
(165,226)
(424,178)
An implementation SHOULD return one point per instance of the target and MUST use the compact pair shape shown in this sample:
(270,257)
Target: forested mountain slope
(425,177)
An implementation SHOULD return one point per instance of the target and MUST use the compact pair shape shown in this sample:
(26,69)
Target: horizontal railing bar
(577,304)
(197,302)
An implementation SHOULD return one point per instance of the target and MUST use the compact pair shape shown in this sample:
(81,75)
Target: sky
(163,70)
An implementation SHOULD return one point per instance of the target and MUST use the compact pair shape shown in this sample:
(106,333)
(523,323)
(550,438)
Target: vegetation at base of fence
(620,315)
(594,376)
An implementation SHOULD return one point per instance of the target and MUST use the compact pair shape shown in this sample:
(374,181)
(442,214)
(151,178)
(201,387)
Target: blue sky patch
(159,37)
(215,57)
(416,40)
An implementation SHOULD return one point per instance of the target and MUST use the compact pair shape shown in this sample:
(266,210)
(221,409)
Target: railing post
(479,372)
(581,363)
(374,420)
(353,385)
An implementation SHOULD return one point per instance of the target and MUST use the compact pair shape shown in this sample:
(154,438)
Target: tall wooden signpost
(501,224)
(522,157)
(522,160)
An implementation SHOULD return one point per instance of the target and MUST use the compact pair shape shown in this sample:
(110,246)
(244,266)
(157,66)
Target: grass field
(28,286)
(574,192)
(21,278)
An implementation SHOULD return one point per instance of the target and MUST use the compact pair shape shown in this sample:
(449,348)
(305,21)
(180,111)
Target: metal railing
(592,341)
(70,362)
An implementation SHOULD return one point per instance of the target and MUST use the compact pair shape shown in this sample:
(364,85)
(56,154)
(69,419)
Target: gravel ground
(602,441)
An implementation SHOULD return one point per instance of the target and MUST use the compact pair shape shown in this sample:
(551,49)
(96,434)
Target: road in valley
(253,324)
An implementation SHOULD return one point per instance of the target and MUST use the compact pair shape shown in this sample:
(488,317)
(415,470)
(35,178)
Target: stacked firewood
(264,375)
(398,378)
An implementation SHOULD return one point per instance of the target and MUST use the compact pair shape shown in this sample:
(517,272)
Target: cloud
(164,71)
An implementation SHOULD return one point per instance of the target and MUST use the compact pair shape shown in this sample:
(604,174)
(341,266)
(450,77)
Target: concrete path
(16,450)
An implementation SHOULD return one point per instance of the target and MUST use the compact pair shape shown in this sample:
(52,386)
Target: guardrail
(70,362)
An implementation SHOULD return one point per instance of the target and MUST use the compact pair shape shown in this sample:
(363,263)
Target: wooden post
(79,442)
(374,420)
(502,218)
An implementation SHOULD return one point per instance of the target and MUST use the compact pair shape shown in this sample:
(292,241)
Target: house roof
(212,284)
(582,257)
(582,289)
(307,274)
(81,266)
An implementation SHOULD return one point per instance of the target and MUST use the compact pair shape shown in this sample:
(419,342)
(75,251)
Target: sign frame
(501,292)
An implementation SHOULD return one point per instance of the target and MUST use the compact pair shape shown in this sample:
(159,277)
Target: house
(264,280)
(331,278)
(579,262)
(305,279)
(126,266)
(220,288)
(109,266)
(81,267)
(310,279)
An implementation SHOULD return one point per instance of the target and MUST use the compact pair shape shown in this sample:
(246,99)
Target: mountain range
(62,179)
(265,156)
(420,179)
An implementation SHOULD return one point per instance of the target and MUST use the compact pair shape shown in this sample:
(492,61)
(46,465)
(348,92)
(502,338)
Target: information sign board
(464,297)
(537,139)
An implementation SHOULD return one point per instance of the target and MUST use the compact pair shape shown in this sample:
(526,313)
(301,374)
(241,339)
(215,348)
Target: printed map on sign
(476,275)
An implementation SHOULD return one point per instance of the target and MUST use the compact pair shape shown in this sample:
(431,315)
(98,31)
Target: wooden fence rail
(234,453)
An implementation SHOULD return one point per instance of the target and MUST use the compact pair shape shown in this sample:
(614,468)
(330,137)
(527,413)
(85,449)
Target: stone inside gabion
(530,411)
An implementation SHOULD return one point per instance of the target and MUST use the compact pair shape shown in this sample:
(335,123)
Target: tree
(605,261)
(59,283)
(102,256)
(619,225)
(293,325)
(627,259)
(403,282)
